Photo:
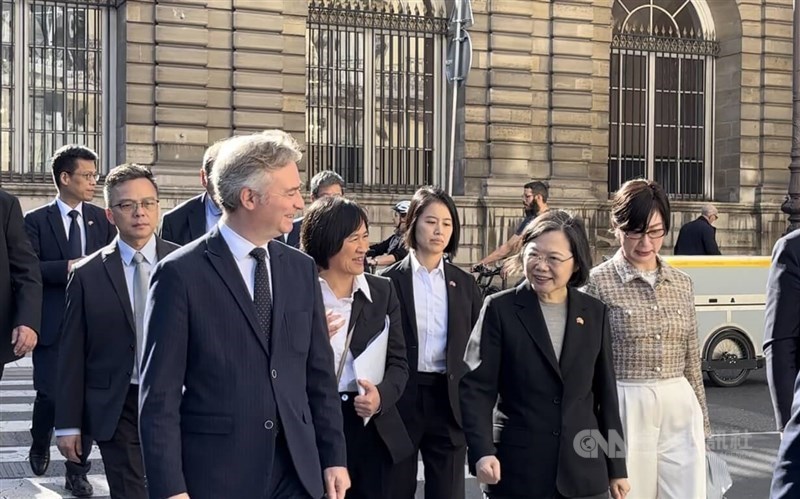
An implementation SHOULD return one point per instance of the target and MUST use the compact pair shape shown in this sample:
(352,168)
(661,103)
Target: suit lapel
(530,315)
(279,281)
(112,261)
(222,260)
(359,341)
(162,249)
(90,226)
(197,217)
(57,226)
(575,330)
(405,286)
(453,293)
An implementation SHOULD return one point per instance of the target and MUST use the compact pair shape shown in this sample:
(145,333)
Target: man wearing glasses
(61,233)
(698,237)
(97,388)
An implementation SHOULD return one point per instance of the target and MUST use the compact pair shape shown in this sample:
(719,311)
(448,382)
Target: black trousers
(604,495)
(434,433)
(368,460)
(122,455)
(44,413)
(285,484)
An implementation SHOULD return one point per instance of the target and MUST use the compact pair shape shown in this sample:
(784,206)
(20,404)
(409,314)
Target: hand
(337,481)
(70,447)
(488,468)
(179,496)
(335,322)
(70,263)
(619,488)
(24,340)
(368,404)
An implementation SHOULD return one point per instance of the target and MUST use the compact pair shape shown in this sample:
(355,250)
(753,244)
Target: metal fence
(375,92)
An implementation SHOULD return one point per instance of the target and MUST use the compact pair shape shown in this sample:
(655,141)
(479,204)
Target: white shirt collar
(416,266)
(239,246)
(148,251)
(359,284)
(65,209)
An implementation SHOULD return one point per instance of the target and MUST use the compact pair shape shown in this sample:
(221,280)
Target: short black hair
(123,173)
(325,178)
(423,198)
(538,189)
(635,201)
(326,225)
(573,228)
(210,155)
(64,160)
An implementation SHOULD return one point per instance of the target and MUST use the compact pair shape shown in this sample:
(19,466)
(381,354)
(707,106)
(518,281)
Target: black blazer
(20,278)
(49,240)
(186,222)
(212,388)
(524,406)
(97,350)
(697,237)
(367,320)
(293,237)
(463,307)
(782,325)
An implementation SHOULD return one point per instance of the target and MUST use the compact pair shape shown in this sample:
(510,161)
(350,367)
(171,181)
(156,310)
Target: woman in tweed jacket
(656,353)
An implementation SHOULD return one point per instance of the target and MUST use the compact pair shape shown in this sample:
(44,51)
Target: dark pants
(285,484)
(604,495)
(368,459)
(122,455)
(435,433)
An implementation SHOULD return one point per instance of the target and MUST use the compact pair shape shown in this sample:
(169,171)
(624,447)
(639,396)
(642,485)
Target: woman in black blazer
(363,314)
(540,400)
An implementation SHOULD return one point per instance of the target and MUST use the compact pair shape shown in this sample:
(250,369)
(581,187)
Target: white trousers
(664,438)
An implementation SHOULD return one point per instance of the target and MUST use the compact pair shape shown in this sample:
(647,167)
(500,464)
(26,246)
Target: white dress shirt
(213,213)
(129,267)
(241,248)
(343,307)
(67,221)
(430,303)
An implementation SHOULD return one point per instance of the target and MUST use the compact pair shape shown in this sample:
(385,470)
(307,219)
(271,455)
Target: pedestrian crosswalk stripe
(15,454)
(13,426)
(4,408)
(17,393)
(51,487)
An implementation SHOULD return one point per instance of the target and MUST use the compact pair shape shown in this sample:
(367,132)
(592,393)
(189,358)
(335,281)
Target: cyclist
(392,249)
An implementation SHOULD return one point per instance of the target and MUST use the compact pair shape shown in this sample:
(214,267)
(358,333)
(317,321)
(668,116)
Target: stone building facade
(538,104)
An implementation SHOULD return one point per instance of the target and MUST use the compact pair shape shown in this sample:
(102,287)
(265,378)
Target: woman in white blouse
(335,233)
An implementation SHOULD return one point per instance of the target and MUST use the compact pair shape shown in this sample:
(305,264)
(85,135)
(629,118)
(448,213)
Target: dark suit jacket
(211,384)
(368,320)
(186,222)
(97,349)
(786,477)
(20,278)
(697,237)
(782,325)
(49,240)
(293,238)
(541,403)
(463,307)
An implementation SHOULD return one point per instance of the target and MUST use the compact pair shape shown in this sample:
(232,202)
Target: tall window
(660,111)
(375,92)
(55,83)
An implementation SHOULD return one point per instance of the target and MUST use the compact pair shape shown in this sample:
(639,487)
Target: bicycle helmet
(402,207)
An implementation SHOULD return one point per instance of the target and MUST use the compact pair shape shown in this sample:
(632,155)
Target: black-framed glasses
(132,206)
(652,234)
(549,260)
(87,176)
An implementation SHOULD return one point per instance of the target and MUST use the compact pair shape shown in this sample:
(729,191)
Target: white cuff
(65,432)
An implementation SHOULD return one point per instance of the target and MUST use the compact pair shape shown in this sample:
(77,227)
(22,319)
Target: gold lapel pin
(579,320)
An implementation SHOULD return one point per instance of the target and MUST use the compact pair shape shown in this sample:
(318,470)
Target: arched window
(661,95)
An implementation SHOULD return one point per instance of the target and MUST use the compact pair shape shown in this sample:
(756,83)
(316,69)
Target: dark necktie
(75,246)
(261,295)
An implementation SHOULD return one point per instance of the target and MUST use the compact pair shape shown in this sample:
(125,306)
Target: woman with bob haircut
(542,377)
(440,303)
(656,355)
(335,233)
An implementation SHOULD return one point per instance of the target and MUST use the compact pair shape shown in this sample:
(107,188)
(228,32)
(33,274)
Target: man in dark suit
(20,285)
(324,184)
(101,337)
(193,218)
(782,350)
(61,233)
(698,237)
(238,395)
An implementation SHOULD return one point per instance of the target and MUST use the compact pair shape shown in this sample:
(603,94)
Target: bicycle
(485,278)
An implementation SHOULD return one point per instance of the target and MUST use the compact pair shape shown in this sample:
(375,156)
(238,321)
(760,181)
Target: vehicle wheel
(729,345)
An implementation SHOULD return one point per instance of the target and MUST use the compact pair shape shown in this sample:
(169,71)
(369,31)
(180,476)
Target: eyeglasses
(652,234)
(132,206)
(550,260)
(87,176)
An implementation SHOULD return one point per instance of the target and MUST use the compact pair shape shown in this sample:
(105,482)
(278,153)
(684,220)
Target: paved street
(741,419)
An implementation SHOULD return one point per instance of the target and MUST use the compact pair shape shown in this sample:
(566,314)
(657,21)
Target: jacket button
(556,433)
(556,400)
(132,347)
(268,424)
(451,376)
(274,374)
(128,373)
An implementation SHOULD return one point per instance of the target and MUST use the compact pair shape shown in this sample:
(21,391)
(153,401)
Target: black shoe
(79,486)
(39,461)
